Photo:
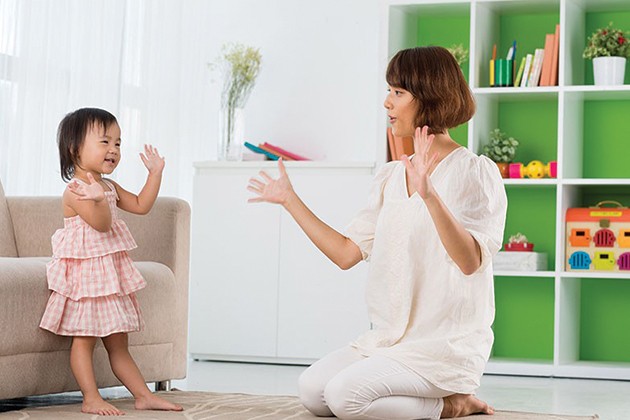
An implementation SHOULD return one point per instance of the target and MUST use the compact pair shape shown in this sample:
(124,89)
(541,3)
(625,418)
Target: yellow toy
(534,169)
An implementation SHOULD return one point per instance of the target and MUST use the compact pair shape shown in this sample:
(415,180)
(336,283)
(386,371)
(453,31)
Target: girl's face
(100,151)
(402,110)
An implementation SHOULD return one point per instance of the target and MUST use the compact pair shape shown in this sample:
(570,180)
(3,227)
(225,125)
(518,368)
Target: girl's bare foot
(460,405)
(153,402)
(100,407)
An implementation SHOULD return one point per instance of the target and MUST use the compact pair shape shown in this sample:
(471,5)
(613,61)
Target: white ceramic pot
(609,70)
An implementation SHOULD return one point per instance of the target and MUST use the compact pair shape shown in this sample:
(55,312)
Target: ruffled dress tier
(93,279)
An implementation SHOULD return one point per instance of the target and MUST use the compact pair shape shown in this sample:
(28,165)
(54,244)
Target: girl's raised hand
(91,191)
(271,190)
(420,167)
(152,159)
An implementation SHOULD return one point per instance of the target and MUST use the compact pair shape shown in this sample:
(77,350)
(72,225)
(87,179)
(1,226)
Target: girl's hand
(92,191)
(271,190)
(420,167)
(152,160)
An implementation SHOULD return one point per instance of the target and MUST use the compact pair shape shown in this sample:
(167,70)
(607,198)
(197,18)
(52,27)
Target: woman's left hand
(152,159)
(419,168)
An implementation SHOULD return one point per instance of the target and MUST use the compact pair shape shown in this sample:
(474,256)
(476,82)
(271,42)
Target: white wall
(319,92)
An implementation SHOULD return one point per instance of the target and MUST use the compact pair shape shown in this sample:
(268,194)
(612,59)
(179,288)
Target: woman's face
(402,110)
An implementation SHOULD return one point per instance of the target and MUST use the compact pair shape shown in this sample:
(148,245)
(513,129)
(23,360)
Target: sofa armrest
(35,219)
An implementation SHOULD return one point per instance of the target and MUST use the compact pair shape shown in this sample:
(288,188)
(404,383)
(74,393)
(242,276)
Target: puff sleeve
(481,207)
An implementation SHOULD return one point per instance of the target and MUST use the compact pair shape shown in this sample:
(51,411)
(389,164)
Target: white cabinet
(260,290)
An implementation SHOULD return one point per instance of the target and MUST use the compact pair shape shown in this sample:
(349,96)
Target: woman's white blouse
(425,312)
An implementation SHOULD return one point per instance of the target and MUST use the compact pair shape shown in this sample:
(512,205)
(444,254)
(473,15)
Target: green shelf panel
(535,125)
(532,212)
(593,194)
(592,22)
(523,326)
(528,30)
(605,320)
(431,32)
(606,139)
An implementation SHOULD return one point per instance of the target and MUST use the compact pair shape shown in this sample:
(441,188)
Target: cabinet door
(234,269)
(320,306)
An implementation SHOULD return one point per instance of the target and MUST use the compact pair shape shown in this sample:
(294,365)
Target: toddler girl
(92,278)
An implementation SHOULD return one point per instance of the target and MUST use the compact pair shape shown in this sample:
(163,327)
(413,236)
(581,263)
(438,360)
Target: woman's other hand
(271,190)
(420,167)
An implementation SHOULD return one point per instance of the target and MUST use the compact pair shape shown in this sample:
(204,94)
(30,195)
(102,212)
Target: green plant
(607,42)
(501,148)
(459,52)
(240,66)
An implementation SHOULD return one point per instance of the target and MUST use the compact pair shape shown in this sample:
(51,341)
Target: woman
(432,224)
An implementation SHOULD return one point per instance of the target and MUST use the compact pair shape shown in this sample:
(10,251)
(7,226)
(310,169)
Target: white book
(536,68)
(526,70)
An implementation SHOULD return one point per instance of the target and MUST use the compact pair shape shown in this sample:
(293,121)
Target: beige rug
(208,405)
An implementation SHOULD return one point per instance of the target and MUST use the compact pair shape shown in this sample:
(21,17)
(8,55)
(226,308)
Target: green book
(519,73)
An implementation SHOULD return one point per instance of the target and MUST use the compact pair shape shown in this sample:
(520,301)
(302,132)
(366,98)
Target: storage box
(598,239)
(520,261)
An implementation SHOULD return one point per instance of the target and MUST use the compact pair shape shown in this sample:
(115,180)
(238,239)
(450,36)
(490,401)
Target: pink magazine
(284,152)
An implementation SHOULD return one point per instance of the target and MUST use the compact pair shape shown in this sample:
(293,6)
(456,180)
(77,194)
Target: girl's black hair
(71,134)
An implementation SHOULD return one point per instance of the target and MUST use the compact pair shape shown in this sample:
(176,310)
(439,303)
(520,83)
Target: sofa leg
(163,386)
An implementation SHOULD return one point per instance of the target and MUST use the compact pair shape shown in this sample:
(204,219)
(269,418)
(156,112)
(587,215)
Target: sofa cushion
(24,293)
(7,237)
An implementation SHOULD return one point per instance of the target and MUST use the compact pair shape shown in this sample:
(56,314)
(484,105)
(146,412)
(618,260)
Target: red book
(545,74)
(270,150)
(284,152)
(392,149)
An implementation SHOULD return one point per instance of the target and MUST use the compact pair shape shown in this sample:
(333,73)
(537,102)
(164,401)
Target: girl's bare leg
(126,370)
(460,405)
(81,364)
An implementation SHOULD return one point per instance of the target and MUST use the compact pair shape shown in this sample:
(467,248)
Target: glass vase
(231,134)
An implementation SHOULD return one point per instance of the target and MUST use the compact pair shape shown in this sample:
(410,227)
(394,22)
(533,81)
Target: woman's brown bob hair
(436,82)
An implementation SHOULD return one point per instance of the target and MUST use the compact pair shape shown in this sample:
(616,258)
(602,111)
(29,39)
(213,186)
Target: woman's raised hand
(152,159)
(271,190)
(420,167)
(91,191)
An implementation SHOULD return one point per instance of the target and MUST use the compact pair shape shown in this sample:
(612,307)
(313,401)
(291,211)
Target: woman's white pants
(351,386)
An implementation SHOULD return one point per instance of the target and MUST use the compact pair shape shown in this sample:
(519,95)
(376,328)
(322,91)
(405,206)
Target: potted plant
(608,48)
(501,149)
(459,52)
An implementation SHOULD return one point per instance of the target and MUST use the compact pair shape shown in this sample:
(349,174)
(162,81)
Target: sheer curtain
(319,93)
(121,55)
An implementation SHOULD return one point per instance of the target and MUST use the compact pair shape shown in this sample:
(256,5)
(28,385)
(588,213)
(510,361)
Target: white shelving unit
(401,22)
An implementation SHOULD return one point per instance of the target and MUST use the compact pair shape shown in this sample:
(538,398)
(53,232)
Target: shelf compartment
(595,130)
(502,22)
(531,119)
(532,212)
(582,18)
(524,321)
(604,320)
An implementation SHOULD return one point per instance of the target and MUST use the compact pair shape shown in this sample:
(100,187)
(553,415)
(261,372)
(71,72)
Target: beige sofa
(34,361)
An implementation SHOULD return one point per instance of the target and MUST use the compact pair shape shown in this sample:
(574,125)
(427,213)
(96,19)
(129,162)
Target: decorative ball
(535,169)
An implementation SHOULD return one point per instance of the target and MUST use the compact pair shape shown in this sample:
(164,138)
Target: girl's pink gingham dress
(92,279)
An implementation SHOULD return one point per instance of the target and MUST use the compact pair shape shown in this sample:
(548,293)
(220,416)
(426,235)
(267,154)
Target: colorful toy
(592,243)
(534,169)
